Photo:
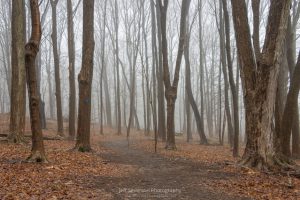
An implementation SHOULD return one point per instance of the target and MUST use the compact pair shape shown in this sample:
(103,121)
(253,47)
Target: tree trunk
(31,50)
(290,106)
(198,117)
(160,81)
(85,78)
(18,92)
(260,83)
(57,69)
(235,97)
(171,89)
(71,52)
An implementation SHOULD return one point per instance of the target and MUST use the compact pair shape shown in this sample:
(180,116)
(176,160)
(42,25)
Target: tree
(18,92)
(259,81)
(160,80)
(57,70)
(189,93)
(235,97)
(31,50)
(85,78)
(71,51)
(171,88)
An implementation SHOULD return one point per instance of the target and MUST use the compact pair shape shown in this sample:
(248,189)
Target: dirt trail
(158,177)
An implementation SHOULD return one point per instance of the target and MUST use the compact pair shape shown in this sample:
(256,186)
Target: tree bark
(31,50)
(18,89)
(85,78)
(171,89)
(260,83)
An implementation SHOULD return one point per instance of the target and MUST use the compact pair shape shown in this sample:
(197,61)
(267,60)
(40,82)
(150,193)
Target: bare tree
(260,82)
(57,69)
(18,92)
(171,89)
(85,78)
(31,50)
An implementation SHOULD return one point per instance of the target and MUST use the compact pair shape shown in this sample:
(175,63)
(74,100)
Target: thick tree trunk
(85,78)
(18,92)
(260,83)
(31,50)
(57,69)
(71,52)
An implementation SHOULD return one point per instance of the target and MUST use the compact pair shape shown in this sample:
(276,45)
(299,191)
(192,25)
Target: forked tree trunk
(171,88)
(18,92)
(31,50)
(260,83)
(85,78)
(188,87)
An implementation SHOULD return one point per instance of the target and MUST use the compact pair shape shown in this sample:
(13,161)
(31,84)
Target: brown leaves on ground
(69,175)
(232,179)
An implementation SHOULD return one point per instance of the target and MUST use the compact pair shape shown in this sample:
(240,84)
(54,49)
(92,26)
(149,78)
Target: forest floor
(115,171)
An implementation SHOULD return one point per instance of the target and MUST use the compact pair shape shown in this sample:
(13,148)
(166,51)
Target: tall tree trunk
(31,50)
(160,81)
(71,52)
(57,69)
(18,92)
(154,67)
(226,87)
(171,89)
(116,25)
(288,114)
(188,87)
(235,97)
(85,78)
(260,83)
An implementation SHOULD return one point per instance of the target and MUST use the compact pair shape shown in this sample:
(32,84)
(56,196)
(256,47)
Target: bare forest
(149,99)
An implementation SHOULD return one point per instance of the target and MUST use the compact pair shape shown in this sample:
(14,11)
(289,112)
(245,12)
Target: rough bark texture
(18,92)
(171,88)
(31,50)
(260,83)
(71,52)
(85,78)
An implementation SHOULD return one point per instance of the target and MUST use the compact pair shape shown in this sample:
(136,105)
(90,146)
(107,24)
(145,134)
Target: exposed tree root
(37,157)
(275,164)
